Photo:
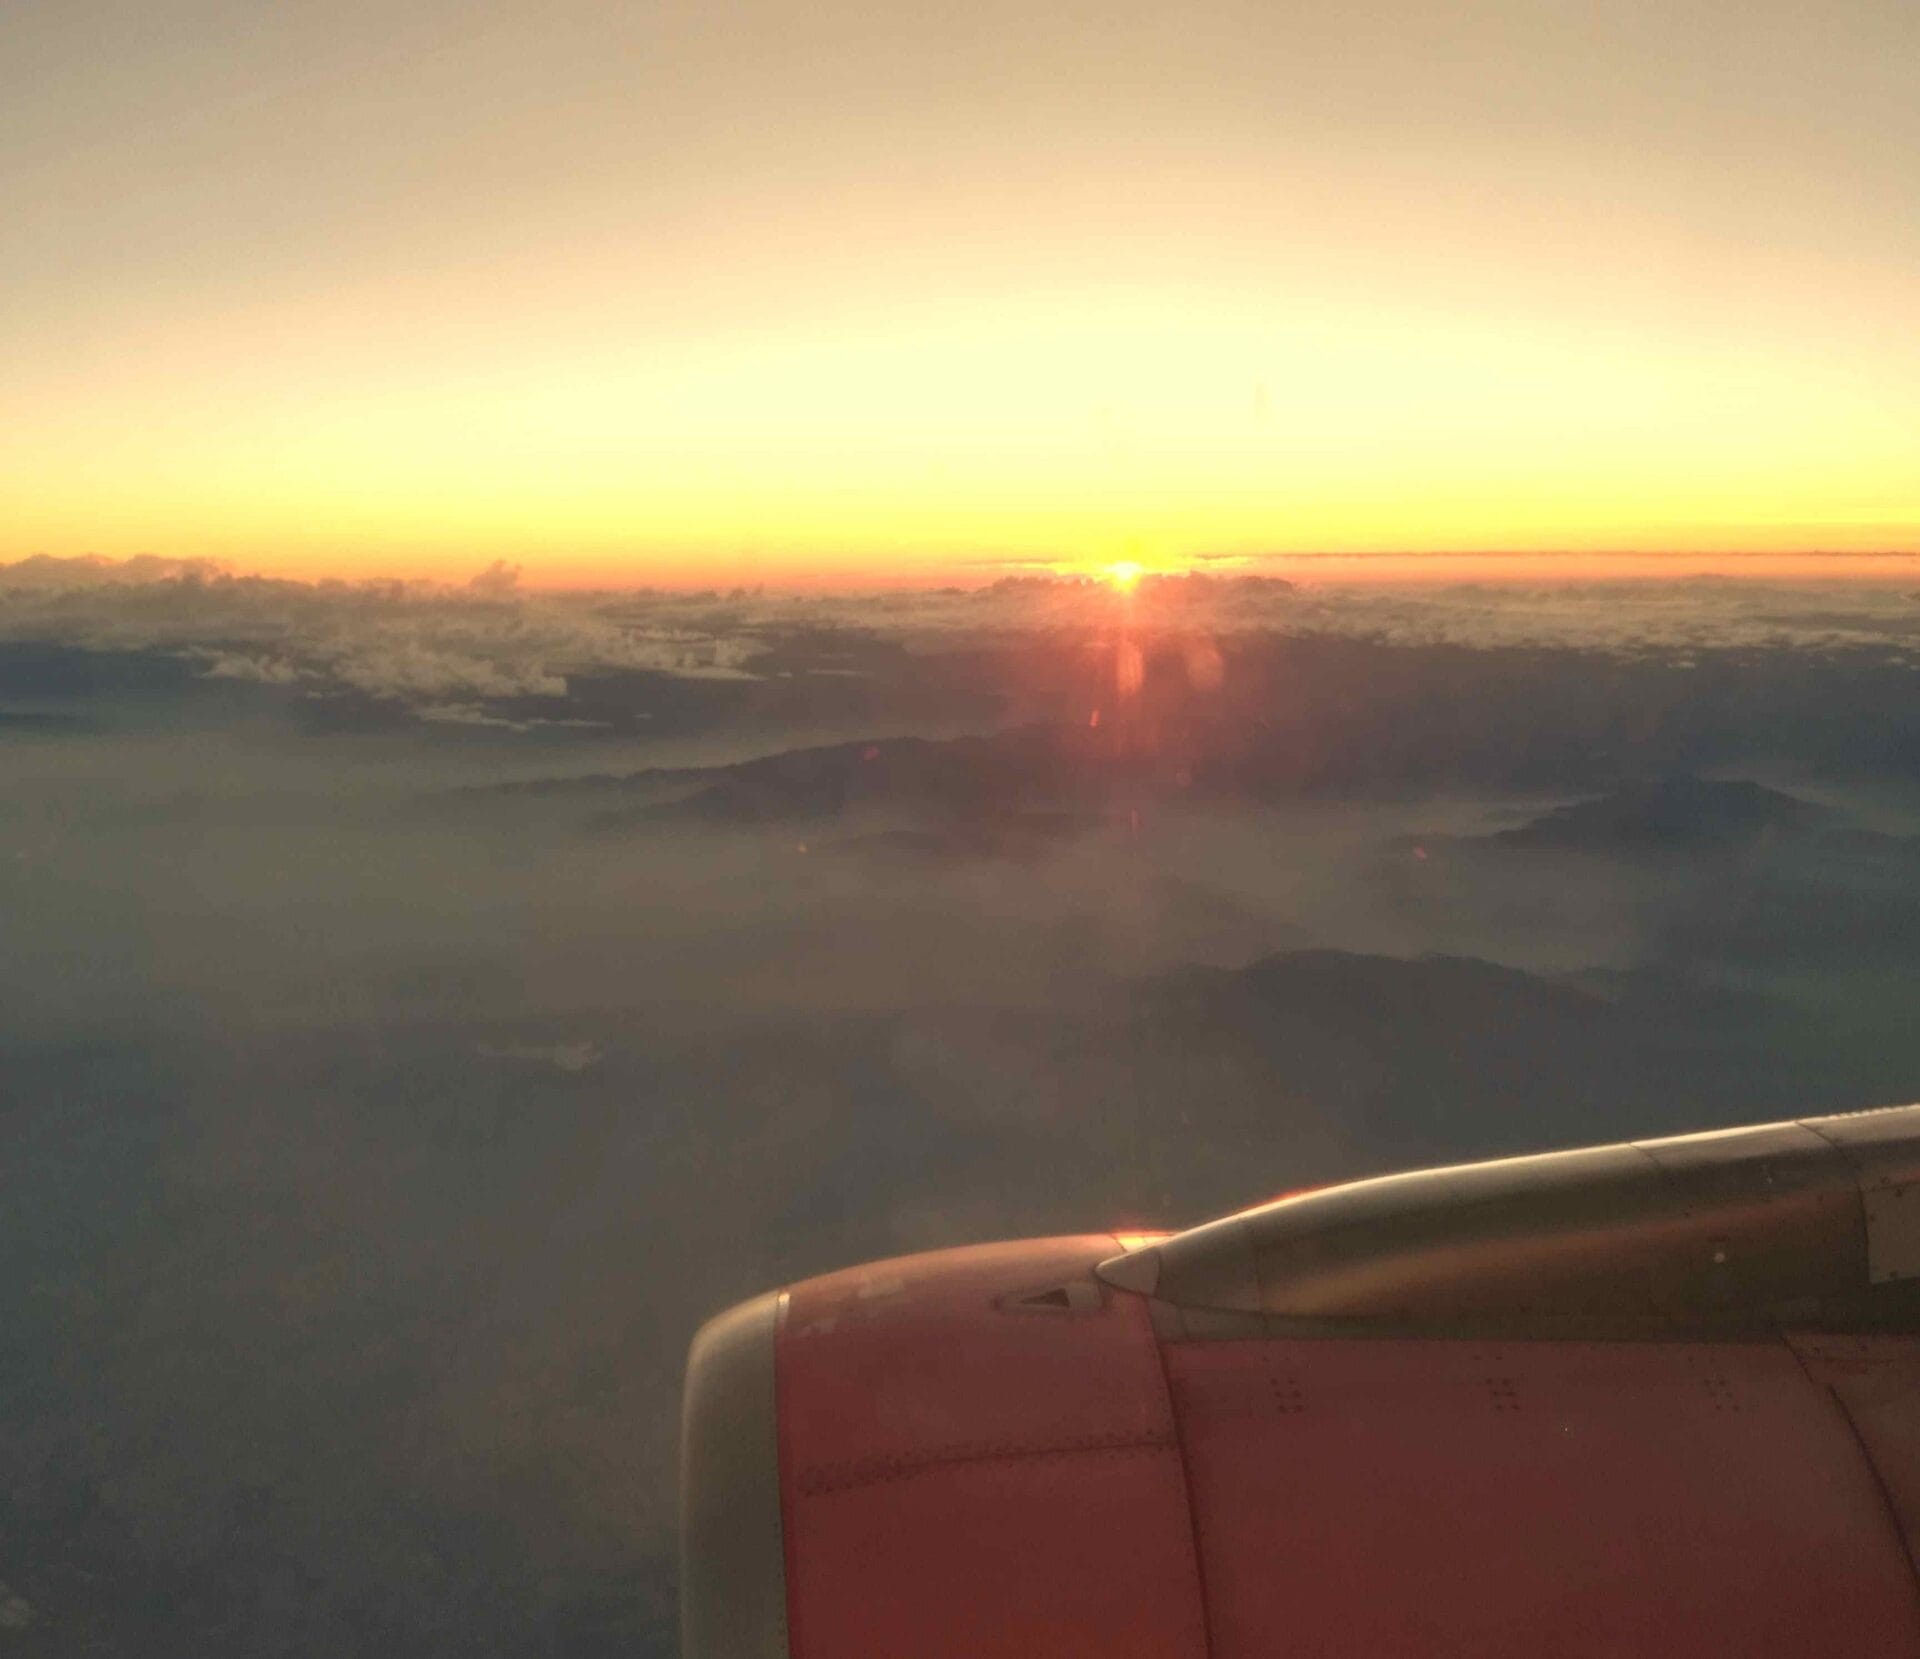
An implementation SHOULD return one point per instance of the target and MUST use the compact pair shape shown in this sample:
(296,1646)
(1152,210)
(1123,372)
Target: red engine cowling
(1005,1450)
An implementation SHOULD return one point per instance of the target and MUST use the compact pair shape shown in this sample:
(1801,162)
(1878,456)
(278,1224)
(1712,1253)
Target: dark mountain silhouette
(968,776)
(1718,872)
(1021,837)
(1432,1053)
(1443,1057)
(1680,814)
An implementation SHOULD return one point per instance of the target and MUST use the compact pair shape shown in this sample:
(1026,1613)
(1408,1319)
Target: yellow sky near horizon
(820,291)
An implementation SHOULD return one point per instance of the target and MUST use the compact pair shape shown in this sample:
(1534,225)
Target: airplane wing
(1654,1398)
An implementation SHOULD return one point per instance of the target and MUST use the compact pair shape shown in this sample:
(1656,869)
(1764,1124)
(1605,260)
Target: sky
(806,290)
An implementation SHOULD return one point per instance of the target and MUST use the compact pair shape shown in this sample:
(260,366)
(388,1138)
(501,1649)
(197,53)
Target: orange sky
(784,291)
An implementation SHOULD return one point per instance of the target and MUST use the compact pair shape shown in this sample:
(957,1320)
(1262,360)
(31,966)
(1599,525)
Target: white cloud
(414,642)
(499,580)
(258,670)
(473,714)
(91,570)
(1672,616)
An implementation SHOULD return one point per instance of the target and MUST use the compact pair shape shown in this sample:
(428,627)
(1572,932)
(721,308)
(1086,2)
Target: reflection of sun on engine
(1651,1398)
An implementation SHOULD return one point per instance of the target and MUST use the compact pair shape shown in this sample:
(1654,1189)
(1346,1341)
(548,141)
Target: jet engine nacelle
(1661,1398)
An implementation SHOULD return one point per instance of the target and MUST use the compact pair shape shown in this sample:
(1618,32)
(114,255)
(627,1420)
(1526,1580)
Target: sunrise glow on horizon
(836,292)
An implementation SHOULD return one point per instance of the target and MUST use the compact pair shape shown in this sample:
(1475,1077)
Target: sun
(1121,576)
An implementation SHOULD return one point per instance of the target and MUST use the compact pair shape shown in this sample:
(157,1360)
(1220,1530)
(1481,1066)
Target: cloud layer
(453,649)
